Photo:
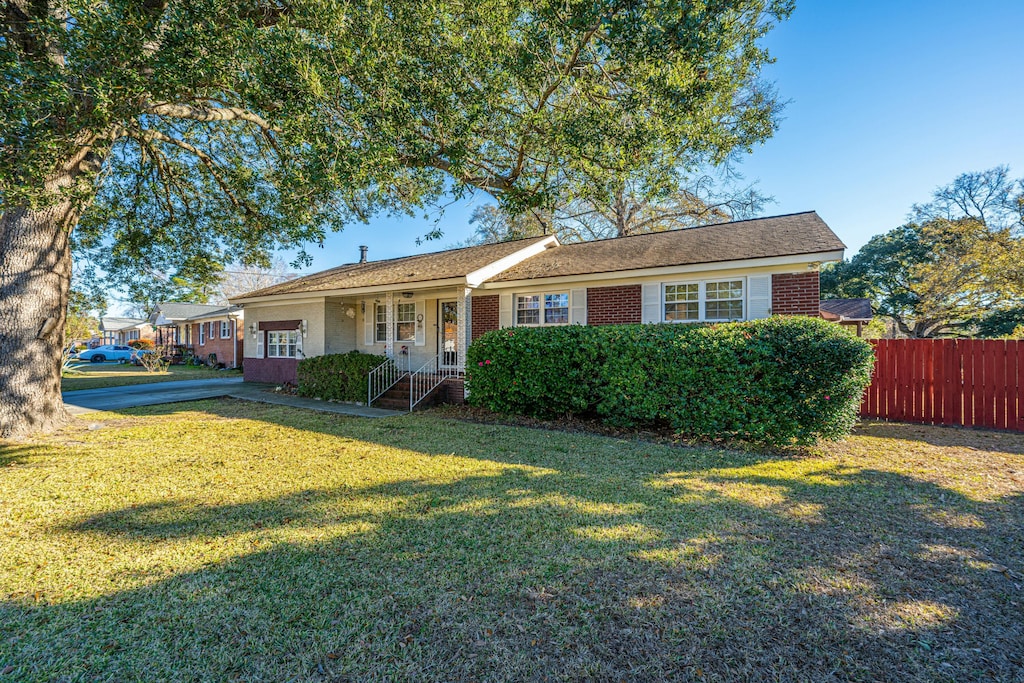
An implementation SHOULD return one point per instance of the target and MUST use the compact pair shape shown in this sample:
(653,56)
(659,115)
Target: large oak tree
(174,137)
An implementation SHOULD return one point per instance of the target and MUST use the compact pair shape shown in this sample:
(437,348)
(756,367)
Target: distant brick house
(120,331)
(425,310)
(202,329)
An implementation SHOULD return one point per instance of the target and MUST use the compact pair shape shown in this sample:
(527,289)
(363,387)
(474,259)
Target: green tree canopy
(175,137)
(958,269)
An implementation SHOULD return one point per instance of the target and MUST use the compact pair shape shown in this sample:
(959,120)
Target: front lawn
(240,541)
(102,375)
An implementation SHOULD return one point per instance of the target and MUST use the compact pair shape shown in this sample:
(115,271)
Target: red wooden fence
(968,382)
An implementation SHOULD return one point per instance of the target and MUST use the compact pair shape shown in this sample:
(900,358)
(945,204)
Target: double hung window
(542,309)
(405,322)
(282,343)
(703,301)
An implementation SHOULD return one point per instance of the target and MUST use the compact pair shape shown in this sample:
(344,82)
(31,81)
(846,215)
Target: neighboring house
(203,329)
(123,330)
(429,308)
(847,312)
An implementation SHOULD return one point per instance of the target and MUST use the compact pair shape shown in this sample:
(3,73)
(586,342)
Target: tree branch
(209,114)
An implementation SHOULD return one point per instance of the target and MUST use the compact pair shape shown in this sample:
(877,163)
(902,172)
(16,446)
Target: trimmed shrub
(336,377)
(775,381)
(146,344)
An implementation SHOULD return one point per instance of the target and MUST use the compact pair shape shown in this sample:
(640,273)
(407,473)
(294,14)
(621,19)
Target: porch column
(389,317)
(464,326)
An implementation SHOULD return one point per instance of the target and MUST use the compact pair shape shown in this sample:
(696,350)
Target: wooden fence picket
(966,382)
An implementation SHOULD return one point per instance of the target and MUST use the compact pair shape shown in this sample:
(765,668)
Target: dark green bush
(336,377)
(773,381)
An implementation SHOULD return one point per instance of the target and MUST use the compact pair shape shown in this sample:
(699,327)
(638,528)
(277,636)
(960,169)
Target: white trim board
(742,266)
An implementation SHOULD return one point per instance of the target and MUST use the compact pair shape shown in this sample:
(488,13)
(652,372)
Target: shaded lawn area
(102,375)
(240,541)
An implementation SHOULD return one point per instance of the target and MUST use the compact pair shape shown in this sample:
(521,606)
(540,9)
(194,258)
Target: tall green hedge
(338,376)
(772,381)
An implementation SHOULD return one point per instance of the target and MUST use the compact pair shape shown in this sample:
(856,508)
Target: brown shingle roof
(439,265)
(850,309)
(799,233)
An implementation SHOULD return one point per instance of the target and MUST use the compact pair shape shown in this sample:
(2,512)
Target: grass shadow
(476,552)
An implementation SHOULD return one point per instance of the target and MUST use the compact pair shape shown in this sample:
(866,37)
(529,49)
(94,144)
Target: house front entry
(448,331)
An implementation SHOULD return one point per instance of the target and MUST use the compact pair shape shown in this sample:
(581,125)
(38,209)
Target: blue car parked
(109,352)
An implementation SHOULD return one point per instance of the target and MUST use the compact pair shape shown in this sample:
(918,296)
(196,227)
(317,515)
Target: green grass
(239,541)
(102,375)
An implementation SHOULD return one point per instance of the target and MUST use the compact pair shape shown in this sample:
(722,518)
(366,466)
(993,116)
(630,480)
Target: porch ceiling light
(407,295)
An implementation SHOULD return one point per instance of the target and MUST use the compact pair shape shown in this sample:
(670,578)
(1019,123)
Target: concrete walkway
(117,398)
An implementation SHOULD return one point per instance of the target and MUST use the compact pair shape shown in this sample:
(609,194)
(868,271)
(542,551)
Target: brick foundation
(271,370)
(796,294)
(454,391)
(484,315)
(614,305)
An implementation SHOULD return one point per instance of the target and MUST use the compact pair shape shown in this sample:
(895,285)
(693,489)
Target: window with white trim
(542,309)
(202,334)
(282,343)
(405,322)
(225,329)
(381,321)
(703,301)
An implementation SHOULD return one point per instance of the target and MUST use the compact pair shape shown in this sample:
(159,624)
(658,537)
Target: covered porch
(423,334)
(413,328)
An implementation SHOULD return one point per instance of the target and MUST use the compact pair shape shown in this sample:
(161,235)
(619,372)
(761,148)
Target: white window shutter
(298,343)
(505,310)
(652,303)
(202,334)
(259,343)
(421,327)
(578,306)
(759,296)
(369,330)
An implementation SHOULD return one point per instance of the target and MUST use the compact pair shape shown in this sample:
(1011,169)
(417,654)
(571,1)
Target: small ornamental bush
(336,377)
(146,344)
(774,381)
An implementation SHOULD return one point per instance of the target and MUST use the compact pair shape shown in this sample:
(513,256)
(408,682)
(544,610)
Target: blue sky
(886,101)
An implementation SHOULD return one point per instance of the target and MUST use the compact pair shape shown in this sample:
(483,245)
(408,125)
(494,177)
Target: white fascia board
(304,297)
(475,278)
(775,262)
(278,301)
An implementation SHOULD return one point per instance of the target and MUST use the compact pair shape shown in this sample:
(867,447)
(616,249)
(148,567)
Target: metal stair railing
(383,377)
(428,377)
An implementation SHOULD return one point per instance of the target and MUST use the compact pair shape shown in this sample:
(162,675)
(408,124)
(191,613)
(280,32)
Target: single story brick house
(423,311)
(203,329)
(120,331)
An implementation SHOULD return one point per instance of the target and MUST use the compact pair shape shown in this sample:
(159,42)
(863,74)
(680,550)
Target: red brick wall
(272,370)
(614,305)
(795,294)
(484,315)
(222,347)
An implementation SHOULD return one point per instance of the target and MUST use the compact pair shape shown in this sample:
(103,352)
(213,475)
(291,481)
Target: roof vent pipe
(362,254)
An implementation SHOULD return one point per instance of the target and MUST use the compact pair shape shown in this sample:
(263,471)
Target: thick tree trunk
(35,276)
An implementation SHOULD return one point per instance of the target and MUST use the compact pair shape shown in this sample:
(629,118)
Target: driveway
(118,398)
